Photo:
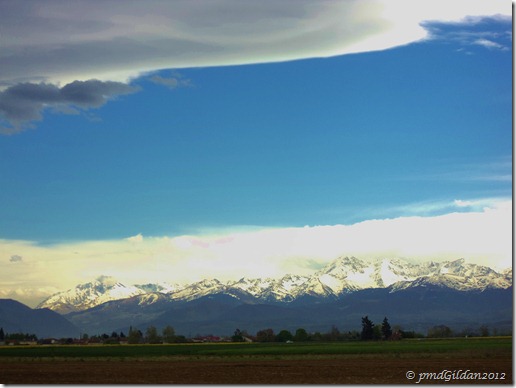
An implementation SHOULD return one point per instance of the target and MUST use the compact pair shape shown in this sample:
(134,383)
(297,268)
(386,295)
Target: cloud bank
(482,237)
(59,43)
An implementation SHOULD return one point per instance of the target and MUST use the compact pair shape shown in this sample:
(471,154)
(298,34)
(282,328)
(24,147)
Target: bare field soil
(386,369)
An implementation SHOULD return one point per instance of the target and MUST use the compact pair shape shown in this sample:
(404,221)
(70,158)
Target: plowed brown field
(334,370)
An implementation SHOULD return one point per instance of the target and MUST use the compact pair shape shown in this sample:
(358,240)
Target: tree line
(369,332)
(16,336)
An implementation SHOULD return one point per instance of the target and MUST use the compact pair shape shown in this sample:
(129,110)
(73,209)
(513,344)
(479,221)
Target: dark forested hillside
(16,317)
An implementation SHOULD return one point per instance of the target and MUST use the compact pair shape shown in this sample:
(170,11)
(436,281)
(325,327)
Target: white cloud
(461,203)
(136,239)
(489,44)
(481,236)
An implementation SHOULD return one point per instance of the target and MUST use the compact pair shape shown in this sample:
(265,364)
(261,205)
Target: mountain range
(414,295)
(340,277)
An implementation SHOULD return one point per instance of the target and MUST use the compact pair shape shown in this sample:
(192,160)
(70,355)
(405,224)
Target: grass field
(477,346)
(261,363)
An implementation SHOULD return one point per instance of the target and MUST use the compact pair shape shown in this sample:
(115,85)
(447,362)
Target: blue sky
(308,142)
(418,126)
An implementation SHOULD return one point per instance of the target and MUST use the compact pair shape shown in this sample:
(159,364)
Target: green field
(472,347)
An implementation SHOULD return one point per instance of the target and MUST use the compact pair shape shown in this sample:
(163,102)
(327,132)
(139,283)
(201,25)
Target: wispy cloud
(113,41)
(173,81)
(470,33)
(490,44)
(498,169)
(439,207)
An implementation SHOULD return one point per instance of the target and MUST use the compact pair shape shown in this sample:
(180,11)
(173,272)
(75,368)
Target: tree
(350,335)
(317,336)
(266,335)
(152,335)
(284,336)
(410,334)
(2,335)
(484,331)
(334,334)
(377,332)
(440,331)
(169,334)
(135,336)
(301,335)
(386,329)
(367,329)
(237,336)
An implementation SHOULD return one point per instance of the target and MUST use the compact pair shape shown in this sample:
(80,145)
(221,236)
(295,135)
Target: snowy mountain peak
(340,277)
(350,274)
(459,275)
(84,296)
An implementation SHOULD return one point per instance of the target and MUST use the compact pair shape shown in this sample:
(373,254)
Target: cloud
(435,208)
(482,236)
(136,239)
(15,258)
(22,103)
(490,44)
(115,41)
(461,203)
(29,295)
(43,47)
(174,81)
(462,35)
(496,170)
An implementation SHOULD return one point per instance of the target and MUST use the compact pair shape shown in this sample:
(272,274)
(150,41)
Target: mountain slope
(416,308)
(15,317)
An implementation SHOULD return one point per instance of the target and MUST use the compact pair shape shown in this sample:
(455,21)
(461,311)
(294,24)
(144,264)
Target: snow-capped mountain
(84,296)
(343,276)
(285,289)
(462,276)
(160,287)
(346,275)
(199,289)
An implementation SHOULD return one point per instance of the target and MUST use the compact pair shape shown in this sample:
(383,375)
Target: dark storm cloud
(93,93)
(23,103)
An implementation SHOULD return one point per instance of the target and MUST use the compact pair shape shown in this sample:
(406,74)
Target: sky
(181,140)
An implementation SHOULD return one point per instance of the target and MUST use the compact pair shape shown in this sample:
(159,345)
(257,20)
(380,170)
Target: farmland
(323,363)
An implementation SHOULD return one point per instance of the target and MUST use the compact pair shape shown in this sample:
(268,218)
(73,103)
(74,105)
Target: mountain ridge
(342,276)
(15,317)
